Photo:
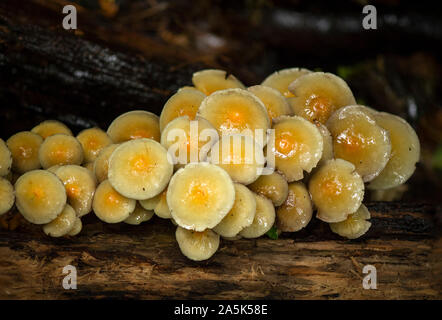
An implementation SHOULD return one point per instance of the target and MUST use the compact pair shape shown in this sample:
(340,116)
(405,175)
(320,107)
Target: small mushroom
(62,224)
(263,220)
(275,103)
(296,211)
(337,190)
(241,156)
(241,215)
(7,196)
(5,159)
(272,186)
(110,206)
(236,111)
(80,187)
(358,139)
(327,150)
(405,152)
(354,226)
(93,140)
(298,146)
(140,169)
(101,164)
(183,103)
(60,149)
(24,147)
(210,80)
(40,196)
(200,195)
(139,215)
(162,208)
(135,125)
(189,138)
(50,127)
(195,245)
(280,80)
(76,229)
(317,95)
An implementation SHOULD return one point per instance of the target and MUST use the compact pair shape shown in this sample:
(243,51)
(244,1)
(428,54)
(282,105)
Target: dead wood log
(144,262)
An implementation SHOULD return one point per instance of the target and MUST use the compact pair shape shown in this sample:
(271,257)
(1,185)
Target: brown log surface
(144,262)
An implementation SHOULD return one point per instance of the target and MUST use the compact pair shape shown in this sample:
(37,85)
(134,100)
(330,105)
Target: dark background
(130,54)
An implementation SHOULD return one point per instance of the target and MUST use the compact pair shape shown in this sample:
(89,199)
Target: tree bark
(144,262)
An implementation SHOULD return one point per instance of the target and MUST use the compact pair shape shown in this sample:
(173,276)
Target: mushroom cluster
(259,158)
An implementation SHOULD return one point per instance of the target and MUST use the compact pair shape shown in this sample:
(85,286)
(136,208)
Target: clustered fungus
(325,148)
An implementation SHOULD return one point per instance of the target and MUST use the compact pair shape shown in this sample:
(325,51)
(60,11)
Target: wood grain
(144,262)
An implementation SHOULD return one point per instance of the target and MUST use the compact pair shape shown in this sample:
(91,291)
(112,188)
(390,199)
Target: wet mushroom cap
(355,226)
(317,95)
(101,164)
(5,159)
(236,111)
(40,196)
(110,206)
(80,187)
(60,149)
(62,224)
(298,146)
(50,127)
(263,220)
(200,195)
(140,169)
(7,196)
(296,211)
(210,80)
(241,156)
(139,215)
(183,103)
(272,186)
(241,215)
(337,190)
(275,103)
(195,245)
(358,139)
(93,140)
(133,125)
(280,80)
(405,152)
(76,229)
(24,147)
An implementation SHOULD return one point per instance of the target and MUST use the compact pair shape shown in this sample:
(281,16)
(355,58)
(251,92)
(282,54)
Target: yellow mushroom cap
(7,196)
(354,226)
(297,147)
(263,220)
(337,190)
(101,164)
(358,139)
(61,225)
(93,140)
(5,159)
(139,215)
(40,196)
(405,152)
(195,245)
(140,169)
(76,229)
(210,80)
(296,211)
(236,111)
(60,149)
(275,103)
(183,103)
(272,186)
(280,80)
(241,156)
(110,206)
(317,95)
(134,125)
(200,195)
(50,127)
(24,147)
(80,187)
(241,215)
